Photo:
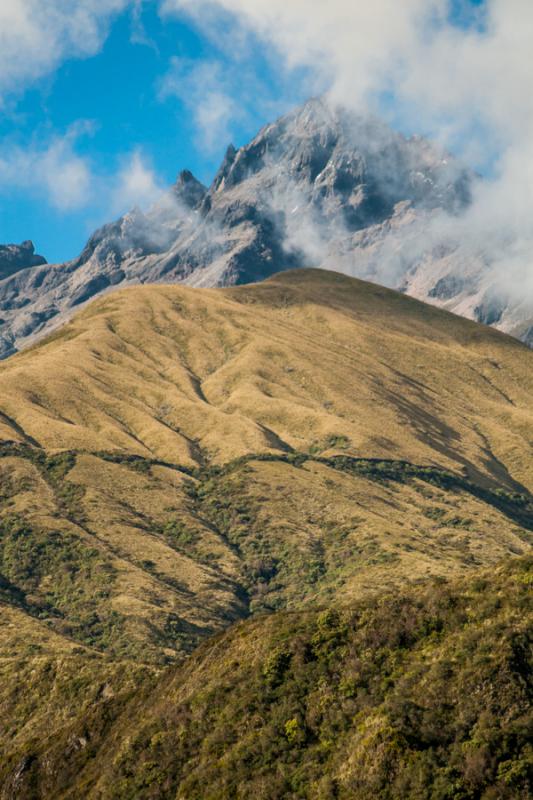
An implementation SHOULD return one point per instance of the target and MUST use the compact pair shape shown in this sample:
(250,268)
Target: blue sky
(159,92)
(118,106)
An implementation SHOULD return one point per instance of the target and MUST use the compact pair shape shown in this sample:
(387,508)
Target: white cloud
(37,35)
(361,49)
(70,182)
(56,170)
(351,43)
(135,185)
(208,93)
(468,86)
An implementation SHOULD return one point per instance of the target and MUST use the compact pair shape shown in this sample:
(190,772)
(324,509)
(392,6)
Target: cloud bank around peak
(457,71)
(447,76)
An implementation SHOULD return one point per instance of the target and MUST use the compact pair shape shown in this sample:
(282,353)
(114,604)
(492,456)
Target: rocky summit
(319,187)
(14,257)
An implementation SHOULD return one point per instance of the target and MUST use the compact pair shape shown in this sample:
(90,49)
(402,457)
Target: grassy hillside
(136,559)
(308,359)
(420,694)
(179,463)
(175,459)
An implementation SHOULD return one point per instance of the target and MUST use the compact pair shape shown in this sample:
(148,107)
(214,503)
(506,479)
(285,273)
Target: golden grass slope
(138,510)
(307,359)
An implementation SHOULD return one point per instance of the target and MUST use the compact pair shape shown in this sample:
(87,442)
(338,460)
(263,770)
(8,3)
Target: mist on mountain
(323,186)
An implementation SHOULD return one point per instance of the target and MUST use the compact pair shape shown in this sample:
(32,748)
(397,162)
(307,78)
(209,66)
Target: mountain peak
(189,190)
(227,163)
(321,186)
(16,257)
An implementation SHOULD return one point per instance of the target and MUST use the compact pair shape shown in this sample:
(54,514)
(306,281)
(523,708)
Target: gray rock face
(14,257)
(319,187)
(188,190)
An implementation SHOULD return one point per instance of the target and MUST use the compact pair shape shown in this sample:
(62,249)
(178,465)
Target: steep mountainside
(216,510)
(175,459)
(318,187)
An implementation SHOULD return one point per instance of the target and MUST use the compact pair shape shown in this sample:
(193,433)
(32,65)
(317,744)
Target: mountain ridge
(319,187)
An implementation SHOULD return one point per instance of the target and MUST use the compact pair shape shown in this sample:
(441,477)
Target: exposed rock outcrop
(14,257)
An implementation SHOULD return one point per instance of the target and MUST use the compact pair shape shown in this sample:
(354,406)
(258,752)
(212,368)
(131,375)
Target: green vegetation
(518,505)
(54,576)
(268,542)
(421,695)
(424,694)
(54,469)
(282,556)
